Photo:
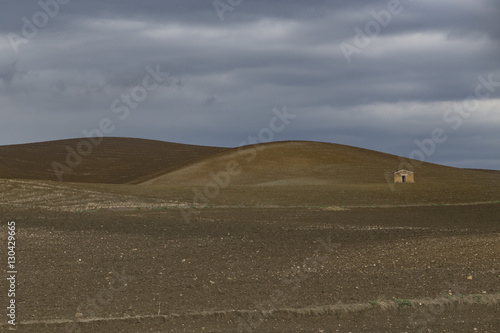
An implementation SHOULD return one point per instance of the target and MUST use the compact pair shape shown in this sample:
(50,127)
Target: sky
(418,79)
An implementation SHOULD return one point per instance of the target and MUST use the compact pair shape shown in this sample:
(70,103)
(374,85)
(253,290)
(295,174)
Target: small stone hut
(404,176)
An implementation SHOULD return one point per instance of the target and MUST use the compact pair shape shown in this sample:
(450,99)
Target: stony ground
(399,269)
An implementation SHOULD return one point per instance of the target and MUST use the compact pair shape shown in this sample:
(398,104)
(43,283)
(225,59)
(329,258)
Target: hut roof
(403,171)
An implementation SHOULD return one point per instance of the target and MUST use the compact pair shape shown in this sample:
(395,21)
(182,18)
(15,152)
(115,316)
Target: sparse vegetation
(404,302)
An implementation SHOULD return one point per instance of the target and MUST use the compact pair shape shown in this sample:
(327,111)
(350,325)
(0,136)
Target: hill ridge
(307,163)
(121,160)
(115,160)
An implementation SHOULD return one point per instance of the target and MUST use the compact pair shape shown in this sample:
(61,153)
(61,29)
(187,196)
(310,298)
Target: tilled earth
(411,269)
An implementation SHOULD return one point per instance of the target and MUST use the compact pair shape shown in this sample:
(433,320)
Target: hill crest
(149,162)
(308,163)
(114,160)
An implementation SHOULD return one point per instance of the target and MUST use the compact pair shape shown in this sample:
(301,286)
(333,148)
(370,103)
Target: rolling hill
(312,163)
(115,160)
(290,173)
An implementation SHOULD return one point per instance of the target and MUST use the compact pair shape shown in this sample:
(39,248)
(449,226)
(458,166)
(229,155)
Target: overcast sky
(373,74)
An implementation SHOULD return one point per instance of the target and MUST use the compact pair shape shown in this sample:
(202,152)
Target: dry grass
(295,163)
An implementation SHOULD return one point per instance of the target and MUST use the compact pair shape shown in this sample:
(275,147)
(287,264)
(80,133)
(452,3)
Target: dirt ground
(373,269)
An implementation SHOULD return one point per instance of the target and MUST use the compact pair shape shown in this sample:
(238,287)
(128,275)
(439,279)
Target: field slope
(314,163)
(298,173)
(286,174)
(115,160)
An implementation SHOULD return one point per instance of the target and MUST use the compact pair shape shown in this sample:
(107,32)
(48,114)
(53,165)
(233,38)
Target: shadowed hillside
(115,160)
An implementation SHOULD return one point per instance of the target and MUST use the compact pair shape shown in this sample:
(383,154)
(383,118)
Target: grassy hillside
(312,163)
(317,174)
(293,173)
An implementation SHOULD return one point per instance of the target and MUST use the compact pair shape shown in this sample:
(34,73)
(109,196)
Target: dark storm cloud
(227,76)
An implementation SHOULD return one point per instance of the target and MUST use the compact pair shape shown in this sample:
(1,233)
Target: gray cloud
(7,72)
(226,77)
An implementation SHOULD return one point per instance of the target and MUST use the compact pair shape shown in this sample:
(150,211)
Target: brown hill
(313,163)
(114,160)
(497,172)
(317,174)
(293,173)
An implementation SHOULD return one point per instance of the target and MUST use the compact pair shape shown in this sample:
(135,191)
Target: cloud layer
(62,64)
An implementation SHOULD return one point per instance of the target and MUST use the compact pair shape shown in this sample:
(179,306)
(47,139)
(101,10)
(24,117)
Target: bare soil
(262,270)
(308,237)
(113,160)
